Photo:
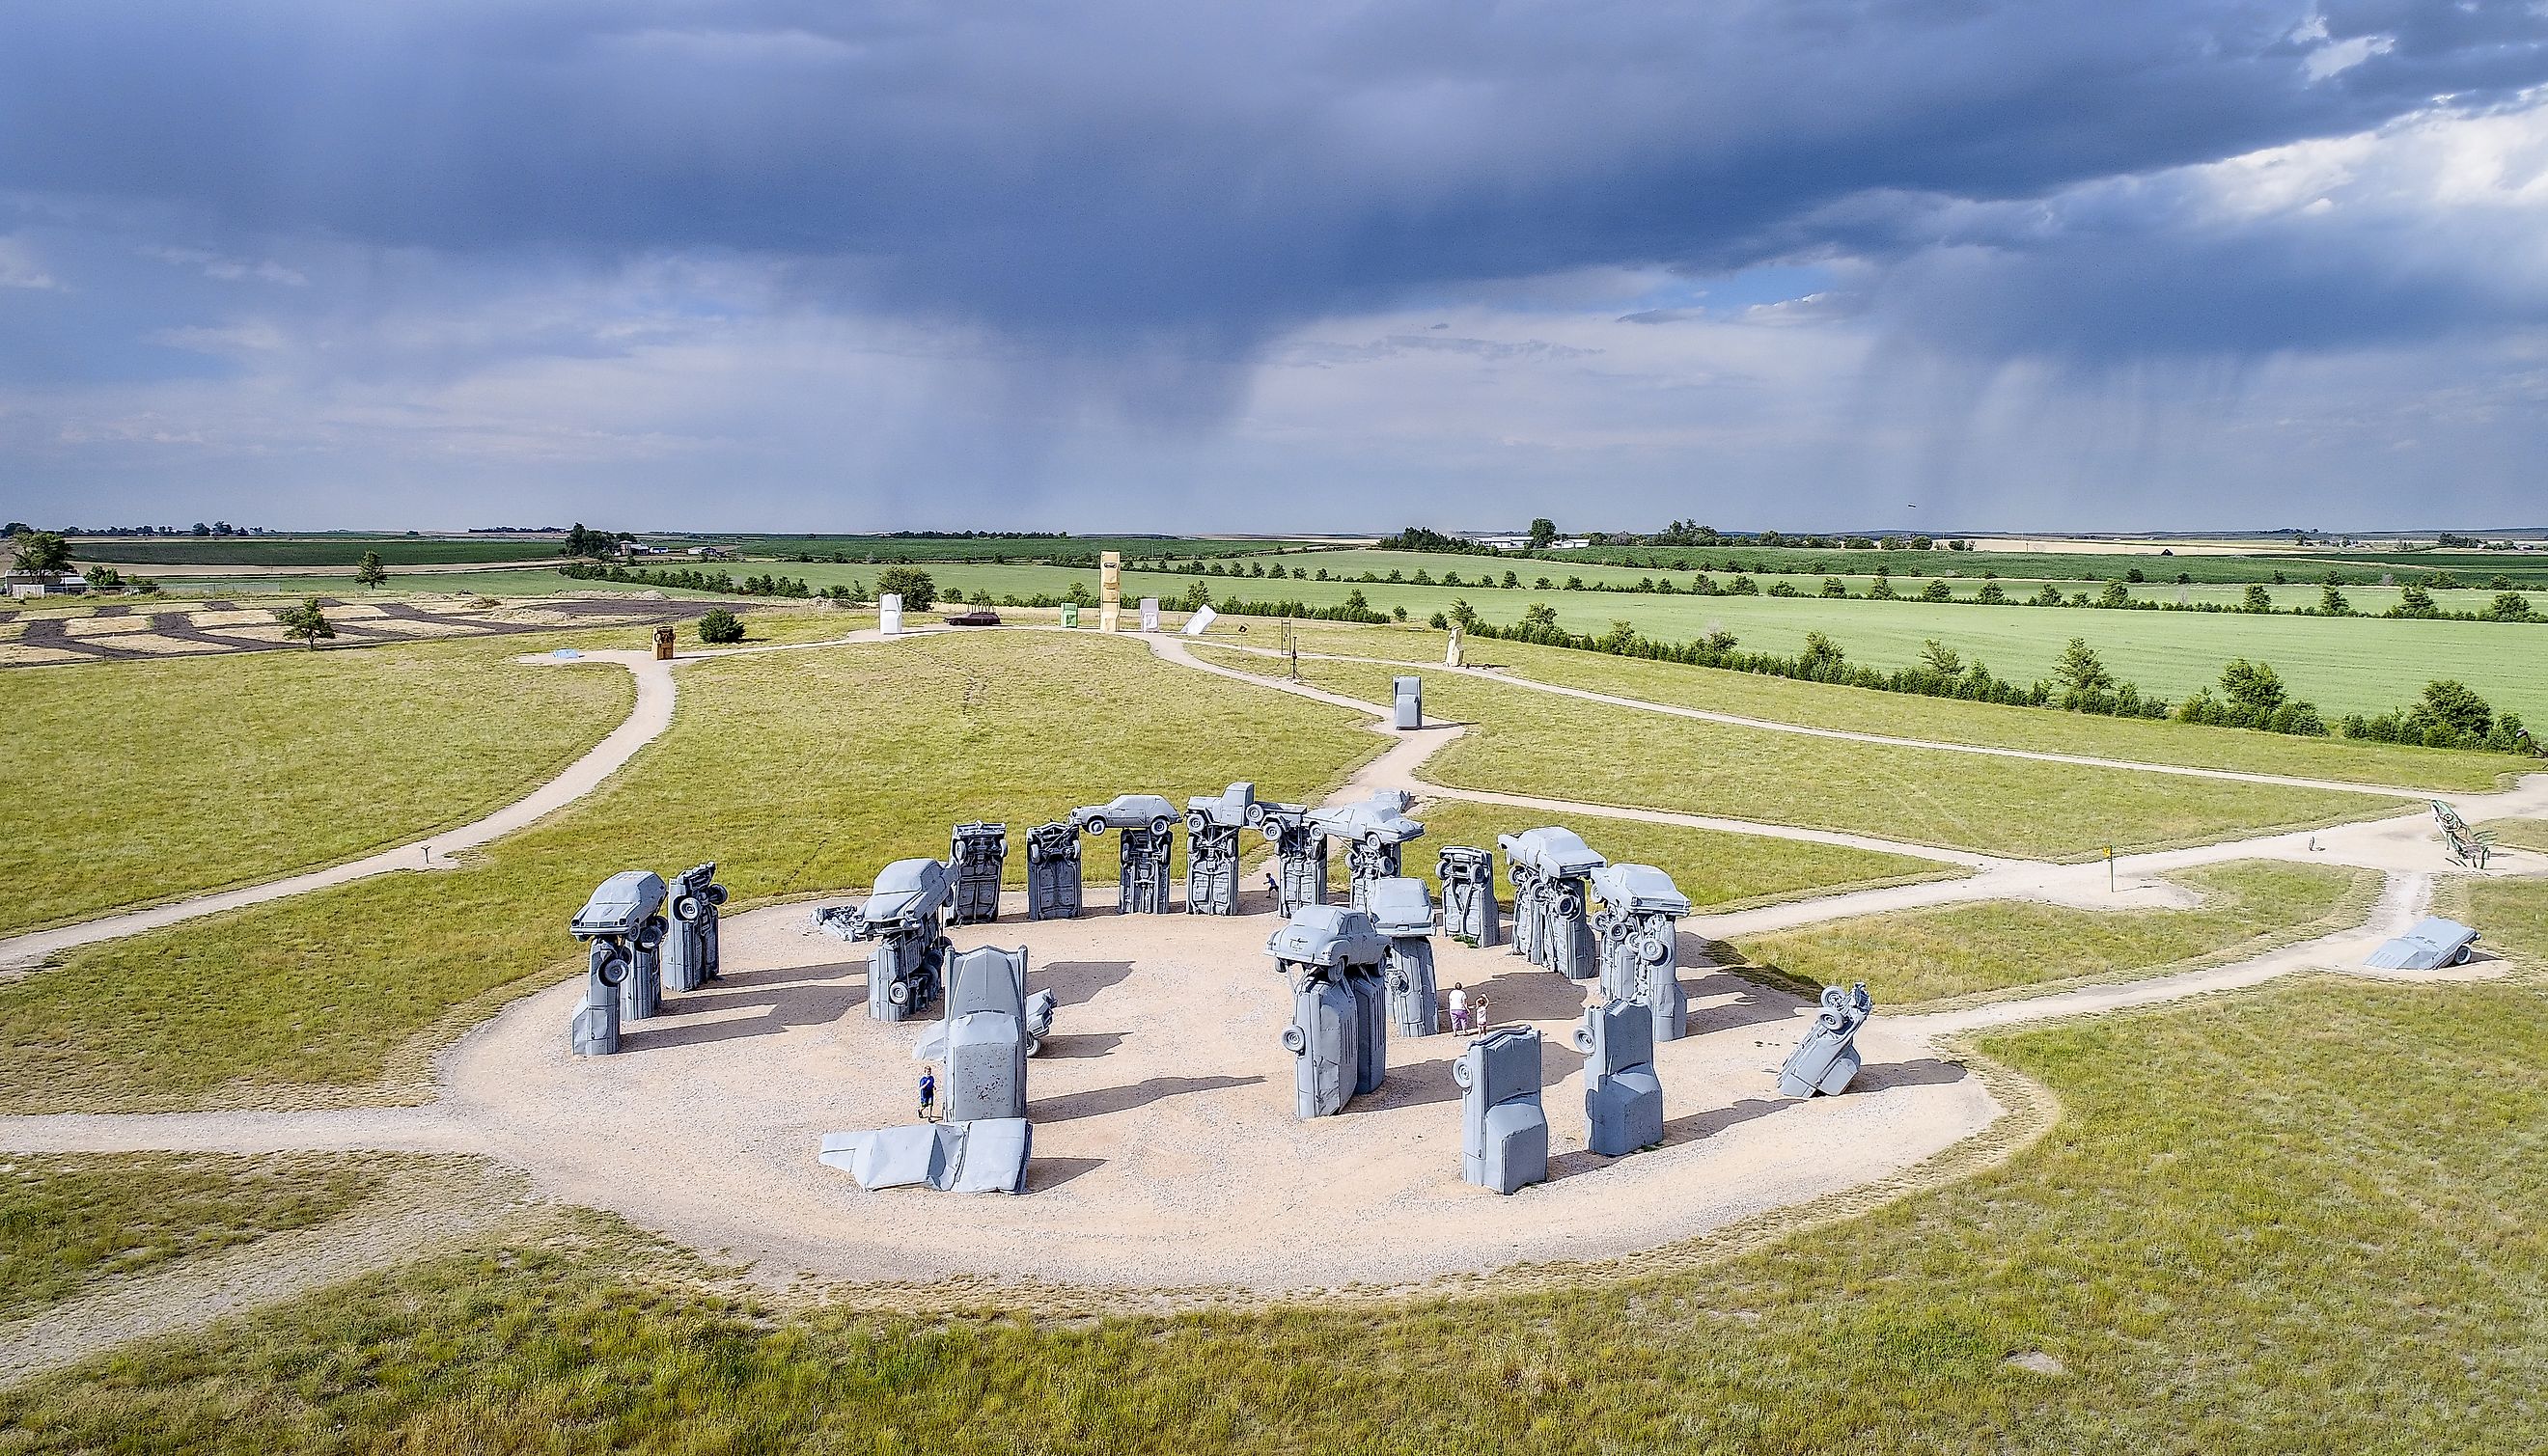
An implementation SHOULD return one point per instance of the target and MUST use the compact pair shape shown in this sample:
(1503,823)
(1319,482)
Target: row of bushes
(690,579)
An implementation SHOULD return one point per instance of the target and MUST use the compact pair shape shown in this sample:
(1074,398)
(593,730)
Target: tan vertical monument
(1110,590)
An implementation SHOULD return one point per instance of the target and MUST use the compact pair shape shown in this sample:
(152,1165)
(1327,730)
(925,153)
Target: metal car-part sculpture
(623,925)
(1549,867)
(2428,944)
(1300,856)
(1213,824)
(985,1156)
(1503,1130)
(1402,912)
(1375,831)
(2470,849)
(1332,957)
(1638,931)
(985,1035)
(690,949)
(977,853)
(1468,909)
(1052,873)
(1407,697)
(1623,1099)
(905,917)
(1144,825)
(1828,1058)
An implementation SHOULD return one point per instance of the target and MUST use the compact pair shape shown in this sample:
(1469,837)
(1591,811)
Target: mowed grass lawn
(1716,871)
(1536,743)
(2302,1219)
(68,1218)
(1914,956)
(797,772)
(142,781)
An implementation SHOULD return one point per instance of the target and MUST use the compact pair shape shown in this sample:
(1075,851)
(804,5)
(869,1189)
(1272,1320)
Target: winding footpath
(385,1231)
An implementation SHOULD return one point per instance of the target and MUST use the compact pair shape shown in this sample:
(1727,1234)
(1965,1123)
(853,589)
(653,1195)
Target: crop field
(809,757)
(1523,742)
(2352,568)
(199,772)
(1934,719)
(888,549)
(2344,1264)
(345,550)
(1917,956)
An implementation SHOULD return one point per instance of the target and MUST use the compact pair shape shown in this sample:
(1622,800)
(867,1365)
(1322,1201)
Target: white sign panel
(1204,618)
(1149,613)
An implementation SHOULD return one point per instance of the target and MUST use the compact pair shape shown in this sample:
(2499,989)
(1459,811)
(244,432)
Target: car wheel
(1461,1076)
(1296,1040)
(899,993)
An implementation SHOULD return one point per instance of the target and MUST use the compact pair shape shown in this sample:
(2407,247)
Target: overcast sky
(1120,266)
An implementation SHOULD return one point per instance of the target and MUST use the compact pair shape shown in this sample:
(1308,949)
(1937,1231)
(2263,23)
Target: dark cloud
(1191,178)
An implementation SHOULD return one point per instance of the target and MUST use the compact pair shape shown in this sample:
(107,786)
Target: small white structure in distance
(889,614)
(1149,613)
(1203,618)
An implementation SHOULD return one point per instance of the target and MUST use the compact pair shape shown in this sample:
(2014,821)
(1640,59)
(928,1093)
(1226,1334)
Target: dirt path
(648,718)
(1178,1135)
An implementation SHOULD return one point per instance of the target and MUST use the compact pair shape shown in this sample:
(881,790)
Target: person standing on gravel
(927,1094)
(1458,1001)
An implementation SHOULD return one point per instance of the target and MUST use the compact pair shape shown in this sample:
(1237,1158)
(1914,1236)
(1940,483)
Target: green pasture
(1529,742)
(2512,915)
(324,550)
(2301,1219)
(1937,719)
(2519,834)
(885,549)
(1910,956)
(67,1219)
(145,780)
(1715,869)
(797,772)
(2354,568)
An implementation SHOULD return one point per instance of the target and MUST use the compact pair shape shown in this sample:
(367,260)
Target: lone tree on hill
(307,622)
(370,573)
(717,624)
(1542,532)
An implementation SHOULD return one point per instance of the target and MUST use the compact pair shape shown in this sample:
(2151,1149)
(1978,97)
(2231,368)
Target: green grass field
(883,549)
(1941,720)
(1915,956)
(328,550)
(145,780)
(1536,743)
(2294,1220)
(2354,568)
(68,1220)
(797,772)
(2519,834)
(1717,871)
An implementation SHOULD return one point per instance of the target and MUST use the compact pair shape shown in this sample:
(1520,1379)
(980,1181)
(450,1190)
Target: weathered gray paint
(904,918)
(1470,912)
(1623,1099)
(1339,1031)
(1375,831)
(1827,1059)
(1213,825)
(1401,911)
(1052,873)
(1639,934)
(978,852)
(2428,944)
(623,923)
(1504,1130)
(1551,923)
(1144,873)
(985,1033)
(691,950)
(1301,857)
(987,1155)
(1407,702)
